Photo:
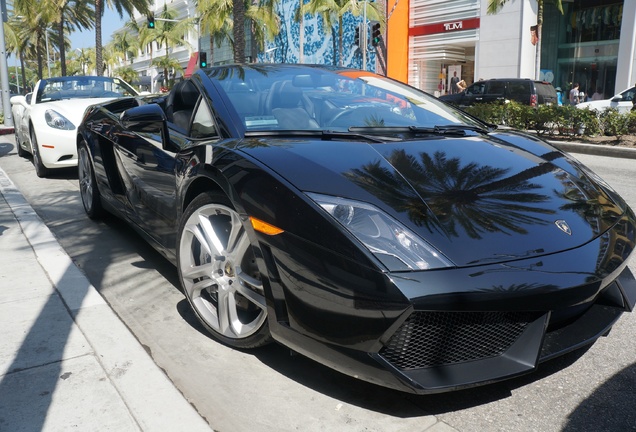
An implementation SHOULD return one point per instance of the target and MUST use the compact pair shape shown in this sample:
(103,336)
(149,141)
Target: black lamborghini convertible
(363,223)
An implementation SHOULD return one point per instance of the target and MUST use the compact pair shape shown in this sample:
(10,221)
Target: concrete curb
(149,395)
(5,130)
(595,149)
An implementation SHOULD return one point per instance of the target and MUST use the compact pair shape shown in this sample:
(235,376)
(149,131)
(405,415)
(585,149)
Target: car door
(624,104)
(149,164)
(474,93)
(495,92)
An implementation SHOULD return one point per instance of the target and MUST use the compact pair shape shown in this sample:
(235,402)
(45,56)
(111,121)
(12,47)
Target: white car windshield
(82,87)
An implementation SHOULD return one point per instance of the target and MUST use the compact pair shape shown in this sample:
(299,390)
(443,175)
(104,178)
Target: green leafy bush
(613,123)
(553,120)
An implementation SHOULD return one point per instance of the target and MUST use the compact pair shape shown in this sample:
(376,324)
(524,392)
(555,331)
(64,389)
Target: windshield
(82,87)
(288,97)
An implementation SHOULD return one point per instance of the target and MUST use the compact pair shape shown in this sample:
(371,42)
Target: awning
(192,64)
(143,80)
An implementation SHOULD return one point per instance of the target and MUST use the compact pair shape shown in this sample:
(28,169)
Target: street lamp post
(48,58)
(4,77)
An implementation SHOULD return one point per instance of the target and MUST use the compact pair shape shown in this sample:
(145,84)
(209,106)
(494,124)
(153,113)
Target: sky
(110,23)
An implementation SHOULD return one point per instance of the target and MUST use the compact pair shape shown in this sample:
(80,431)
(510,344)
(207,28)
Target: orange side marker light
(264,227)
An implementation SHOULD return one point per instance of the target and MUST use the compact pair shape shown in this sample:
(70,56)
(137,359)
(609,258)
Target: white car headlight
(397,247)
(57,120)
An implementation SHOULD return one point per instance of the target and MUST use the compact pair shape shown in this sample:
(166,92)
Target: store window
(581,46)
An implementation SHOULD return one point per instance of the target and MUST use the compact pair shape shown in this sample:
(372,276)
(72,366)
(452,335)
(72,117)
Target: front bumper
(58,147)
(441,351)
(452,328)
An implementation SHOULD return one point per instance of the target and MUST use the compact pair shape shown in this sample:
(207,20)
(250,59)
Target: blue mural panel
(320,43)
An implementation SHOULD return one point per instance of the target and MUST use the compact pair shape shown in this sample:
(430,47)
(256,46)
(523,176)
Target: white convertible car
(46,120)
(623,102)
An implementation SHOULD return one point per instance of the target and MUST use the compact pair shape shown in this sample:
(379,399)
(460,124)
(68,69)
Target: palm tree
(215,17)
(71,15)
(34,19)
(143,6)
(494,6)
(144,38)
(265,23)
(171,33)
(14,42)
(128,74)
(167,64)
(334,10)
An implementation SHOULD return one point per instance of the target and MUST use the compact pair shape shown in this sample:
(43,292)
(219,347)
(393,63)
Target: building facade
(151,77)
(592,43)
(430,43)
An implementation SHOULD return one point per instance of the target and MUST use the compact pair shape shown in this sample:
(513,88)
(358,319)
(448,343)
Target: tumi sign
(445,27)
(453,26)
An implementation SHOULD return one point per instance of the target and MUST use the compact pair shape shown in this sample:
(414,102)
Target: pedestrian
(598,94)
(461,86)
(574,94)
(453,83)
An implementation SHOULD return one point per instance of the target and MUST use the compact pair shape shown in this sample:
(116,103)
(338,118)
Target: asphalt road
(272,390)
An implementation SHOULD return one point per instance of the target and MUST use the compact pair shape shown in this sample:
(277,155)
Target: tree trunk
(238,31)
(60,42)
(38,52)
(340,40)
(301,35)
(99,66)
(22,72)
(537,66)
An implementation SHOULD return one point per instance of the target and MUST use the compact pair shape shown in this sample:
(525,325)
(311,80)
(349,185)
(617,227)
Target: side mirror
(148,119)
(18,100)
(144,119)
(617,98)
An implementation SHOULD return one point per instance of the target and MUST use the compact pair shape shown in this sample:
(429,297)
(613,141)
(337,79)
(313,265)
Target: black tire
(21,152)
(40,170)
(227,297)
(91,199)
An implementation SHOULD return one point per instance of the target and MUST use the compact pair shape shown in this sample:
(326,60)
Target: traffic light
(203,59)
(356,37)
(376,35)
(151,21)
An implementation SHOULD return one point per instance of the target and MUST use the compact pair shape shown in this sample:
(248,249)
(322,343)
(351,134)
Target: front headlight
(397,247)
(57,120)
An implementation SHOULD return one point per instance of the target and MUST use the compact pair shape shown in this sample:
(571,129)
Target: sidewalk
(66,360)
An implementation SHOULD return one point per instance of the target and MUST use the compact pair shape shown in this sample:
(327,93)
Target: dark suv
(524,91)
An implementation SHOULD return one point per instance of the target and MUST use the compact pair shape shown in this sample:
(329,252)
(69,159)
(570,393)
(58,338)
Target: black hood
(479,199)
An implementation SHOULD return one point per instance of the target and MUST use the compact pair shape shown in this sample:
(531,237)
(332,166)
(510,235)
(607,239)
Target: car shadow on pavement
(334,384)
(5,148)
(63,174)
(610,407)
(396,403)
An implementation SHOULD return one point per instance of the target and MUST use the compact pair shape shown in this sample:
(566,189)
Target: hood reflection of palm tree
(447,195)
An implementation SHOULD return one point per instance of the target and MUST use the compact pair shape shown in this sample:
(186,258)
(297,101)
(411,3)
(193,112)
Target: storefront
(582,45)
(442,39)
(593,43)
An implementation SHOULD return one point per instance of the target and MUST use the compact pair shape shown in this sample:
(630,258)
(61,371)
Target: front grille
(441,338)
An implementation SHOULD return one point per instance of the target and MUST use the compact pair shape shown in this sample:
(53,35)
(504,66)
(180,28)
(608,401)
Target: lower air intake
(441,338)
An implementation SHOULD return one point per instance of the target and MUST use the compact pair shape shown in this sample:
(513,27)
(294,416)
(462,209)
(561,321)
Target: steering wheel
(344,114)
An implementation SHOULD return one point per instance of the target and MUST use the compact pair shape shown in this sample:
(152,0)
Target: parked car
(363,223)
(623,102)
(46,120)
(524,91)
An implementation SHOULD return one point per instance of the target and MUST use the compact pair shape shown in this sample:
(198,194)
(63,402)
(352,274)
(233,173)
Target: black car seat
(284,102)
(180,104)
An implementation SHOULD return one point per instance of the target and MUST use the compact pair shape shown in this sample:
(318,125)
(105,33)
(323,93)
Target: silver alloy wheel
(219,274)
(85,179)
